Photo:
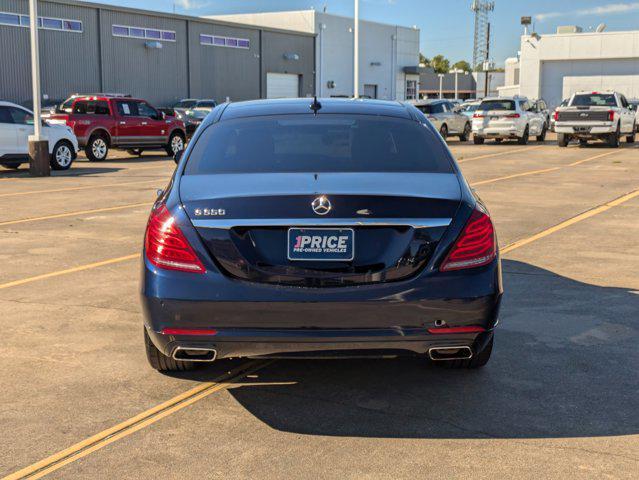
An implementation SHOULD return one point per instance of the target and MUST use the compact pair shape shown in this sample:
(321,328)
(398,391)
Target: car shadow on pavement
(564,365)
(74,171)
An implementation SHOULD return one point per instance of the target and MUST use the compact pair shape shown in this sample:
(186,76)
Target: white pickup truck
(603,116)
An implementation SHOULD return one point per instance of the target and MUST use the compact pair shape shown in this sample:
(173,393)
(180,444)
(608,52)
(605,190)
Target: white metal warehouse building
(554,66)
(388,57)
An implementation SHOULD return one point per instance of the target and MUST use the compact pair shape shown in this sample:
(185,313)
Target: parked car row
(496,118)
(97,123)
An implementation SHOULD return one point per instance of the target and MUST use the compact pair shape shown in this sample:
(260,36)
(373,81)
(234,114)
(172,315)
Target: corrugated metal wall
(158,75)
(218,72)
(278,55)
(68,61)
(95,60)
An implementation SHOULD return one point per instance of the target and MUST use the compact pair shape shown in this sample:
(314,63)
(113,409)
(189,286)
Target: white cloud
(191,4)
(609,9)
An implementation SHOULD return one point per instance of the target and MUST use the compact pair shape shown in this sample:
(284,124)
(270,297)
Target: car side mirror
(178,156)
(163,115)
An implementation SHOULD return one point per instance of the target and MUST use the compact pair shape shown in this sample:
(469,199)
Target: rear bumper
(498,132)
(246,319)
(585,130)
(300,343)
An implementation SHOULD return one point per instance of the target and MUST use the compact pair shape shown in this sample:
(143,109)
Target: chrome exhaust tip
(194,354)
(438,354)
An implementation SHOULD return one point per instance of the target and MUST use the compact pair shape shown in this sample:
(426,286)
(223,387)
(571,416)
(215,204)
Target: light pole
(441,84)
(456,71)
(38,146)
(356,52)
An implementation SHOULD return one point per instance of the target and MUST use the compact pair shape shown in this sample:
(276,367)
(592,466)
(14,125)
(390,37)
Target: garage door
(560,79)
(282,85)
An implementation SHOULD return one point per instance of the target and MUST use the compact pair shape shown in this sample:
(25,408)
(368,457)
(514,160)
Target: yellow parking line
(560,226)
(76,213)
(578,162)
(489,155)
(133,424)
(73,189)
(523,174)
(79,268)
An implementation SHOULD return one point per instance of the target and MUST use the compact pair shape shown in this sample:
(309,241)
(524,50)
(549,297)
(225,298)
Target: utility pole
(356,52)
(487,62)
(441,81)
(38,146)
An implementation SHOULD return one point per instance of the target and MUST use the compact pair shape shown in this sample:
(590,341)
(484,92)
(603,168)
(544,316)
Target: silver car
(446,118)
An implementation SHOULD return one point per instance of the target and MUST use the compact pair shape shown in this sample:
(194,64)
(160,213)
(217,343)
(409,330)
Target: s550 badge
(215,212)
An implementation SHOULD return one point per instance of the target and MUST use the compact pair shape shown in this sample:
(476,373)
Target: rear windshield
(594,100)
(322,143)
(497,105)
(205,104)
(97,107)
(185,104)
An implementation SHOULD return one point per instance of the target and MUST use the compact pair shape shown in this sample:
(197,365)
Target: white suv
(16,124)
(508,118)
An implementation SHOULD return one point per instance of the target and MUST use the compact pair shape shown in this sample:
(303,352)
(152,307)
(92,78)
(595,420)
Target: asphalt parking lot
(559,398)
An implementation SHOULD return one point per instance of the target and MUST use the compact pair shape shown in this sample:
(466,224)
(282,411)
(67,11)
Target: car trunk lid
(397,219)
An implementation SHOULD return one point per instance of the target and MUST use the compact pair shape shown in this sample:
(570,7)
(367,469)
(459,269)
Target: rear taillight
(556,116)
(611,115)
(513,115)
(478,115)
(476,246)
(166,246)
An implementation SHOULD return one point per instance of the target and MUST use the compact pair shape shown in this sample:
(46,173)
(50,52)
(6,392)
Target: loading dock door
(282,85)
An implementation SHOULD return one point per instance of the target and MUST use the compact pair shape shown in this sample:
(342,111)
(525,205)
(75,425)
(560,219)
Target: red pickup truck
(103,122)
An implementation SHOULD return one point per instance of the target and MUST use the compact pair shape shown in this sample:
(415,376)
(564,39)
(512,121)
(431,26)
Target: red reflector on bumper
(186,331)
(445,330)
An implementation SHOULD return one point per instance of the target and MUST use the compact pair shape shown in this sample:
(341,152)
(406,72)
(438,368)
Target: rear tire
(631,138)
(161,362)
(478,360)
(614,138)
(583,143)
(478,140)
(62,155)
(443,131)
(562,140)
(542,136)
(176,143)
(466,133)
(97,148)
(523,140)
(499,140)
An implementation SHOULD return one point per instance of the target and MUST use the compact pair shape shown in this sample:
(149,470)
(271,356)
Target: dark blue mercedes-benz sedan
(316,229)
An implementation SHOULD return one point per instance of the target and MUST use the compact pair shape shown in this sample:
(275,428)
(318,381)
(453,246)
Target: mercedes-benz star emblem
(321,205)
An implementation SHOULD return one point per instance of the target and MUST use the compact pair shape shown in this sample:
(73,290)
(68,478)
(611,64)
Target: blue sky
(446,27)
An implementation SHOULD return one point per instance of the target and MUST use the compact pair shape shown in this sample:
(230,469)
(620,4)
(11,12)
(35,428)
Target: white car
(16,124)
(502,118)
(604,115)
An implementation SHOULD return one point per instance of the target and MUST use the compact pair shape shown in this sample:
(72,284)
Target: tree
(440,64)
(423,60)
(462,65)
